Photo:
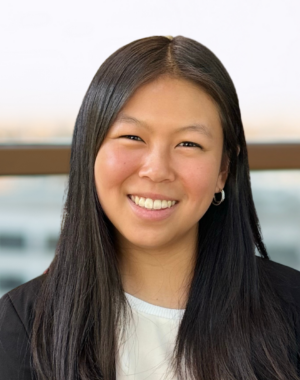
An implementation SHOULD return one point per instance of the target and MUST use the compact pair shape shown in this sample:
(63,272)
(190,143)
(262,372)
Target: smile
(151,204)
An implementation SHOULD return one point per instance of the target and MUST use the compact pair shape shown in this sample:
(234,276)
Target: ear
(223,174)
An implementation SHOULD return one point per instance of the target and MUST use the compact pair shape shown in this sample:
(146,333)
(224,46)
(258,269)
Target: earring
(217,203)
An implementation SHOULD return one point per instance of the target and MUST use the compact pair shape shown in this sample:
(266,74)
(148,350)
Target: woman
(155,274)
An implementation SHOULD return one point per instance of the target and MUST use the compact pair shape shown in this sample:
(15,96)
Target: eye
(189,144)
(132,137)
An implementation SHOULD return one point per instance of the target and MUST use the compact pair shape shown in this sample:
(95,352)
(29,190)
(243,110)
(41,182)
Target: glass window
(31,210)
(12,241)
(277,199)
(30,218)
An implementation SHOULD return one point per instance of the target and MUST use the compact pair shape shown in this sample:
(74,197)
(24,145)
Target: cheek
(113,165)
(200,180)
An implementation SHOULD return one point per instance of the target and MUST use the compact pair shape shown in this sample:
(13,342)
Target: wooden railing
(54,159)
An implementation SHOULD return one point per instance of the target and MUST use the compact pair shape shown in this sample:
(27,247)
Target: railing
(54,159)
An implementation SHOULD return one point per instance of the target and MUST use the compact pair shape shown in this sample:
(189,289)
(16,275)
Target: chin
(150,242)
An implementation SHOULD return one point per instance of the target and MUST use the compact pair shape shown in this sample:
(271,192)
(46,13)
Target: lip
(151,215)
(154,196)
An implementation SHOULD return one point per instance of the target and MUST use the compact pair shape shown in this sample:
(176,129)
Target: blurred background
(49,55)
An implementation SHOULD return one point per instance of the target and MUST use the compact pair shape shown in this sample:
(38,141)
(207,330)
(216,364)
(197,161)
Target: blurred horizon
(62,134)
(50,53)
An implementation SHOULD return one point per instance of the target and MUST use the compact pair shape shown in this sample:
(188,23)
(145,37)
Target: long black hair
(234,326)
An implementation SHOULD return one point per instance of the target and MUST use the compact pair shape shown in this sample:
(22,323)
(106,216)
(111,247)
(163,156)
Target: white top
(148,342)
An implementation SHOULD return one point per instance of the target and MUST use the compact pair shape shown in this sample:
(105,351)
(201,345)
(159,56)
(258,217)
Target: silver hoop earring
(217,203)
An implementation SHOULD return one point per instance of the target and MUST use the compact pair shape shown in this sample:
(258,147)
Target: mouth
(152,204)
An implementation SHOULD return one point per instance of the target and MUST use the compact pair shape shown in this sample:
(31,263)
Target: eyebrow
(200,128)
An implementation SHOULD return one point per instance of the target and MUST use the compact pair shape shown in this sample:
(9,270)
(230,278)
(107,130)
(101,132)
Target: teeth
(141,202)
(150,204)
(157,204)
(164,204)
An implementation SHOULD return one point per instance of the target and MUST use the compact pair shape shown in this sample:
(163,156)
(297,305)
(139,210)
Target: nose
(157,166)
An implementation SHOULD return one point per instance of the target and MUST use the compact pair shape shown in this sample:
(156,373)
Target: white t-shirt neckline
(145,307)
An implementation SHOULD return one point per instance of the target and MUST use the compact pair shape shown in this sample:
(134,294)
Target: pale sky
(50,52)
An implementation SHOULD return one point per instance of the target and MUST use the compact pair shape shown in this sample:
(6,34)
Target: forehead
(171,103)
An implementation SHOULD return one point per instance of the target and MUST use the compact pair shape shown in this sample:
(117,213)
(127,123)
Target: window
(11,241)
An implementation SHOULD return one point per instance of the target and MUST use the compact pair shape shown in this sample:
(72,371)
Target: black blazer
(16,316)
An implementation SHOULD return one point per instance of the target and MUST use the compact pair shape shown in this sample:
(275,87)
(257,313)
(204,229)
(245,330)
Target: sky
(50,52)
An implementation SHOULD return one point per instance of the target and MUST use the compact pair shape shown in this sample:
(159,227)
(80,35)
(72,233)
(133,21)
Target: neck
(158,275)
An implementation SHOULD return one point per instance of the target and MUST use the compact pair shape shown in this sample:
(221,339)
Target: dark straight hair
(234,325)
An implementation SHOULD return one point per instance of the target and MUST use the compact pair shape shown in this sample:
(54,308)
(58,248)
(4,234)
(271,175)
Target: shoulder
(284,280)
(16,317)
(20,301)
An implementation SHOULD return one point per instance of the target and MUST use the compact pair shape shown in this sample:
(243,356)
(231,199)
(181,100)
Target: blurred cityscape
(31,210)
(49,58)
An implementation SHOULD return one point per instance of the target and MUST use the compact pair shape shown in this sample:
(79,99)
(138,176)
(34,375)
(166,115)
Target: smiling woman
(155,274)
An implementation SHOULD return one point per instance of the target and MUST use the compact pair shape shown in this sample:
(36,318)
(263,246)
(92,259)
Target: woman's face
(165,145)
